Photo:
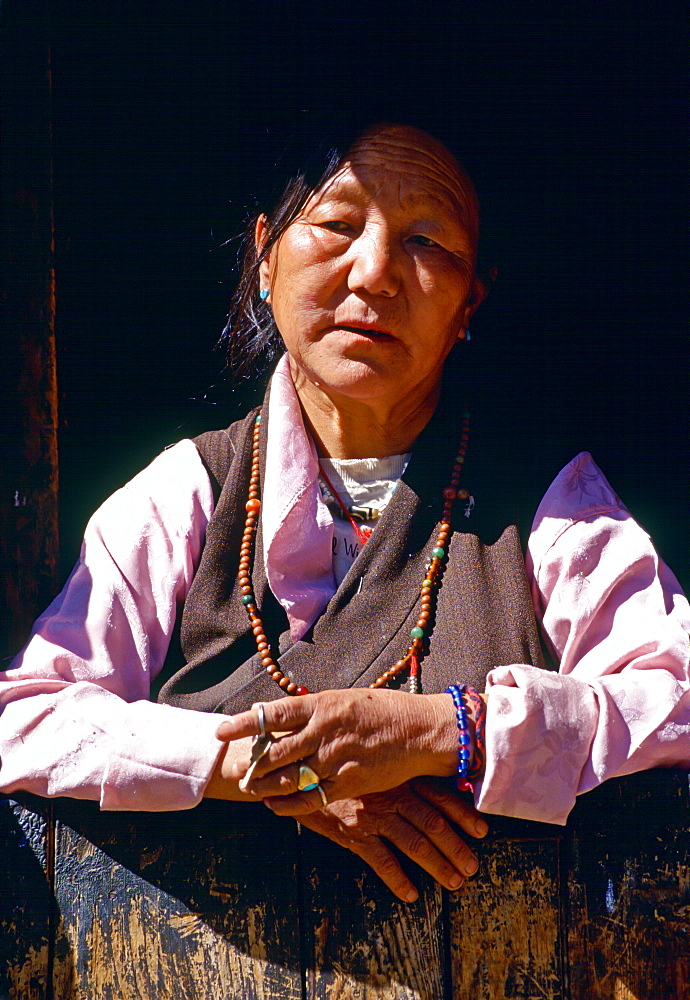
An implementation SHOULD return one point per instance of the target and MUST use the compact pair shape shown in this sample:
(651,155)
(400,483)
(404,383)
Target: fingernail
(412,896)
(481,827)
(471,866)
(455,881)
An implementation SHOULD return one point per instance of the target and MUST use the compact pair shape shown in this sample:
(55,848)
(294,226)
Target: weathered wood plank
(505,927)
(628,890)
(26,900)
(360,942)
(180,905)
(228,901)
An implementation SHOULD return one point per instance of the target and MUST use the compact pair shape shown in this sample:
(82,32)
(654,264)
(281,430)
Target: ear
(480,289)
(260,237)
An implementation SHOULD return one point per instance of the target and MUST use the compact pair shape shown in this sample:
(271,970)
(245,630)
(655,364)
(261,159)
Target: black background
(572,119)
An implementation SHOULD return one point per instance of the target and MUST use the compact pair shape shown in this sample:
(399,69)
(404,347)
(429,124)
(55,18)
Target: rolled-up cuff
(539,731)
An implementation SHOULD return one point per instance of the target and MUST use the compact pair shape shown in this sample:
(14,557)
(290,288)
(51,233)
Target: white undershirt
(362,483)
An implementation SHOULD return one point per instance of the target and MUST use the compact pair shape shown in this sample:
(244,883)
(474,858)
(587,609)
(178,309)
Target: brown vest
(483,618)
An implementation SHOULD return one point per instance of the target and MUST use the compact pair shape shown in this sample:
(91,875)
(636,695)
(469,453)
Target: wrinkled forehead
(410,160)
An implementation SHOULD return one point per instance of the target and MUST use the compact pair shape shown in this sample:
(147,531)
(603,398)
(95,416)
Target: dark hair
(251,338)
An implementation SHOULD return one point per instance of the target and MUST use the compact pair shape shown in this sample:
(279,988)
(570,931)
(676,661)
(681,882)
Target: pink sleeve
(618,623)
(76,719)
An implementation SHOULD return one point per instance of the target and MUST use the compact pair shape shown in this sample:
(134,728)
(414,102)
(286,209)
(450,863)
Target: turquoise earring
(263,294)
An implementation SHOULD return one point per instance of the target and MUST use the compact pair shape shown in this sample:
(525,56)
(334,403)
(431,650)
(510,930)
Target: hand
(224,782)
(358,741)
(413,818)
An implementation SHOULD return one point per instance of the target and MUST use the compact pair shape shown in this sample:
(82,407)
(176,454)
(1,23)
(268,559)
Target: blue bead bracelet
(464,736)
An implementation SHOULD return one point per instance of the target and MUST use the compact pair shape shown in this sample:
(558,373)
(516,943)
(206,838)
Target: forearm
(439,734)
(83,742)
(229,768)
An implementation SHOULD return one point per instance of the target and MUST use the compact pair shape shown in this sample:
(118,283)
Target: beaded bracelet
(464,737)
(479,725)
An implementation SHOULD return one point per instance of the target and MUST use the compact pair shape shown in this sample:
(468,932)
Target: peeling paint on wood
(26,901)
(230,902)
(178,905)
(505,927)
(361,942)
(628,904)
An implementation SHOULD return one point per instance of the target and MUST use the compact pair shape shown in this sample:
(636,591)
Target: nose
(374,268)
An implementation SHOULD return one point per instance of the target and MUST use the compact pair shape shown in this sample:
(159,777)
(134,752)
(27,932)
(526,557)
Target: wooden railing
(228,901)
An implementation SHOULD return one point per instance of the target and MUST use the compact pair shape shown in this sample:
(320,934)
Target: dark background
(572,118)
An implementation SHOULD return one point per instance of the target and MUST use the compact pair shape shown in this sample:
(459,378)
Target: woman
(262,535)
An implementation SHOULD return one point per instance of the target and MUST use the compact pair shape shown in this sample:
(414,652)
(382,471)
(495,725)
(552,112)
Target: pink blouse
(76,719)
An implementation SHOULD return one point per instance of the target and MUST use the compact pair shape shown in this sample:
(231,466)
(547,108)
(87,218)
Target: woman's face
(372,283)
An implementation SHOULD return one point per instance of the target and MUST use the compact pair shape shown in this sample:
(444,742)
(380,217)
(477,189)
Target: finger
(280,761)
(384,863)
(419,848)
(452,805)
(283,715)
(283,794)
(429,822)
(299,804)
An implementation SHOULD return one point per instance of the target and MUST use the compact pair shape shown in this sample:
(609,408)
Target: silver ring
(324,800)
(262,720)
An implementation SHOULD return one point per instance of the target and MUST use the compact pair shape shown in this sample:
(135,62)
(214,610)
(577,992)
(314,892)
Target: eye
(423,241)
(336,226)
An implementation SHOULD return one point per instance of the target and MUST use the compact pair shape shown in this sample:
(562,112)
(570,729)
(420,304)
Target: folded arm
(76,719)
(618,623)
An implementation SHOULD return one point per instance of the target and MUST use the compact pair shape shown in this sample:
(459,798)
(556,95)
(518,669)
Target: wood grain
(627,897)
(26,900)
(229,901)
(360,942)
(178,905)
(506,940)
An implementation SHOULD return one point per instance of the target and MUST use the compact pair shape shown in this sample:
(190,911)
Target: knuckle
(387,866)
(280,714)
(437,793)
(462,854)
(434,824)
(279,751)
(287,783)
(420,847)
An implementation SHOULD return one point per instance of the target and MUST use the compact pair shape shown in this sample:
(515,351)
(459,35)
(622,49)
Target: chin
(357,380)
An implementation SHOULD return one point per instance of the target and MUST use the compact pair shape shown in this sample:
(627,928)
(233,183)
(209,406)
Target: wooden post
(29,472)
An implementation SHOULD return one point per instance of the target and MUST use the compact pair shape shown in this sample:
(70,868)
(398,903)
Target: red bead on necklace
(412,659)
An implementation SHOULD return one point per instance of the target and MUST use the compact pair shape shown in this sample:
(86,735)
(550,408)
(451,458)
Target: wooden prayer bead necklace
(432,578)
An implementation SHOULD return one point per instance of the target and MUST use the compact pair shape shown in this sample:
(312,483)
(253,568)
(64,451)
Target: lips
(363,329)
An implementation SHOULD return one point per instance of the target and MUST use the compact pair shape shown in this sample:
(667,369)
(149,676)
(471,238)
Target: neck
(343,427)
